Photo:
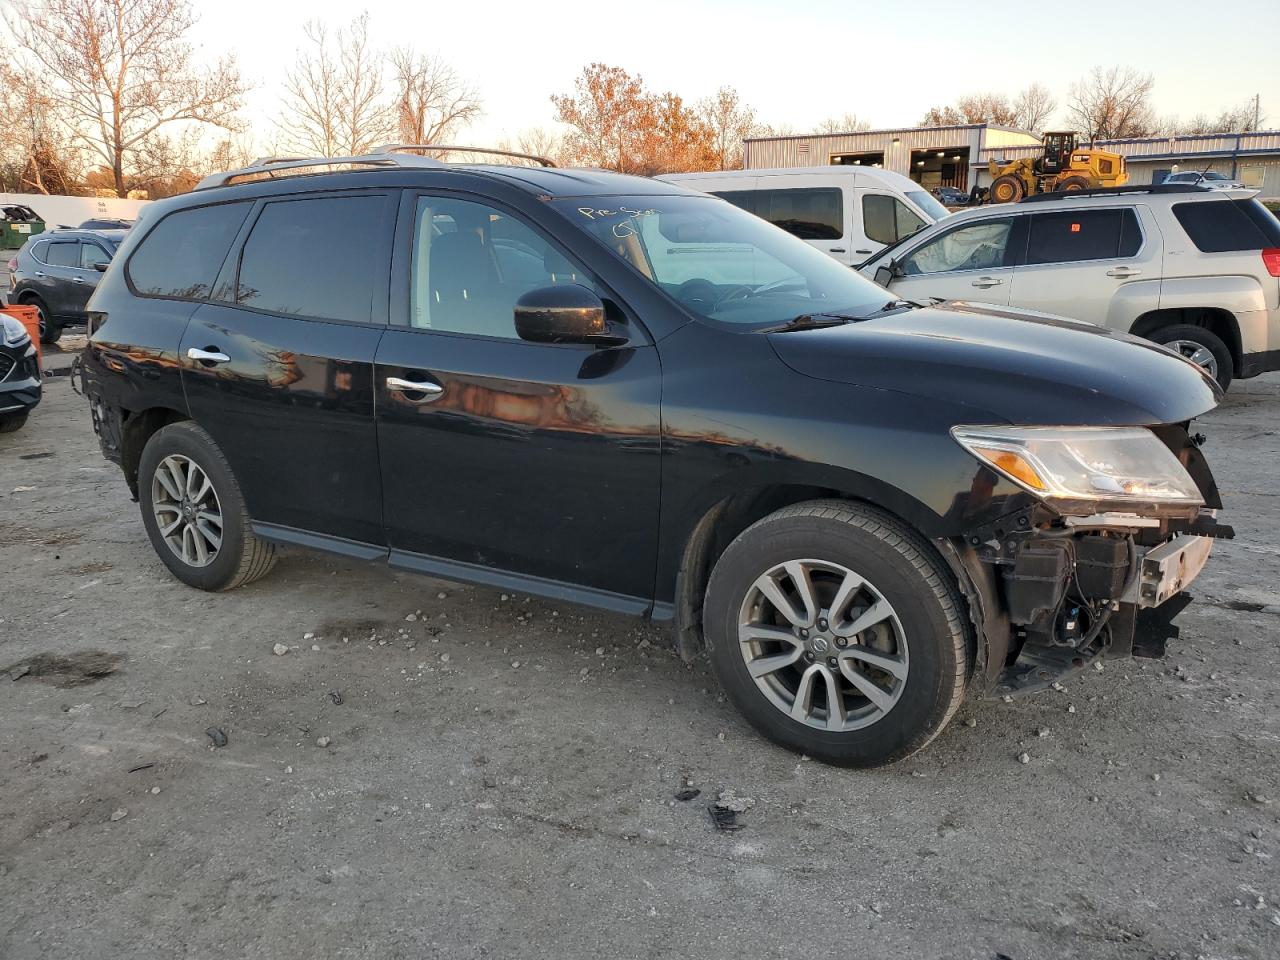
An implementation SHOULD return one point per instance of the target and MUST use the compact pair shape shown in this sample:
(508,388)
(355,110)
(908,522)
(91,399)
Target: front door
(504,461)
(280,371)
(970,262)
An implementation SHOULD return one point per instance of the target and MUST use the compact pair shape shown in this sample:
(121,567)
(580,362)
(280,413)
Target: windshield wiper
(812,321)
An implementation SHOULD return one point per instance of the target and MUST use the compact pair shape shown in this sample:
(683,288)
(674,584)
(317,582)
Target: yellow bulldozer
(1064,166)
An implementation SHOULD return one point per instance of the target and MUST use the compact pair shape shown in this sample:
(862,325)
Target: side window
(64,254)
(810,213)
(1070,236)
(742,199)
(181,256)
(978,246)
(91,253)
(472,262)
(1221,226)
(40,251)
(313,257)
(887,219)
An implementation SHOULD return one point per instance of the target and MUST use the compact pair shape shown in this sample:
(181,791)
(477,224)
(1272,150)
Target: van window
(978,246)
(181,256)
(887,219)
(313,258)
(742,199)
(1219,226)
(65,254)
(810,213)
(1069,236)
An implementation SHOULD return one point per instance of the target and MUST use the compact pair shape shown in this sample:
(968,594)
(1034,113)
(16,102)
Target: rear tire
(13,422)
(194,513)
(896,680)
(1199,344)
(1072,184)
(1007,189)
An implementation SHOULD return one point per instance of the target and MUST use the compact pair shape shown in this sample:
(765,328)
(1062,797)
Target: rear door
(524,464)
(972,261)
(61,281)
(1077,262)
(811,208)
(279,369)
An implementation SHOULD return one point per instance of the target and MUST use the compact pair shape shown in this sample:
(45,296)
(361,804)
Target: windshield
(928,204)
(722,262)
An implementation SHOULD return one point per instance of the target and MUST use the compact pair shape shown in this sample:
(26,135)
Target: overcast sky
(796,62)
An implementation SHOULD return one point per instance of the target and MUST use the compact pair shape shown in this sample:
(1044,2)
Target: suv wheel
(838,632)
(1202,347)
(50,329)
(13,422)
(194,513)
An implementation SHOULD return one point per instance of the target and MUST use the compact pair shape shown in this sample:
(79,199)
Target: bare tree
(536,142)
(1033,108)
(432,103)
(122,72)
(1112,104)
(34,150)
(334,103)
(729,122)
(1242,118)
(845,123)
(986,108)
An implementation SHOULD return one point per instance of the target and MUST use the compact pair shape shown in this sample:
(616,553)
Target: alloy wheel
(186,510)
(1198,354)
(823,645)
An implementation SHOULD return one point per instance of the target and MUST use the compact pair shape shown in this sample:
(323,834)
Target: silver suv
(1197,270)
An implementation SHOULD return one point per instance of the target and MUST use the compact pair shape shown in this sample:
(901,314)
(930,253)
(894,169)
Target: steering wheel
(698,291)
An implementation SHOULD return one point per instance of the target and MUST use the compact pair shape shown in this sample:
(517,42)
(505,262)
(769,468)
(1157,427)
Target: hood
(1009,365)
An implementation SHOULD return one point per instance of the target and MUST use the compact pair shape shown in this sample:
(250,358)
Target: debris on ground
(1024,757)
(323,741)
(336,697)
(724,811)
(687,793)
(119,814)
(279,649)
(72,670)
(217,735)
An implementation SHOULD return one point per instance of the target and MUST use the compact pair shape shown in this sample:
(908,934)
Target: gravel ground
(433,770)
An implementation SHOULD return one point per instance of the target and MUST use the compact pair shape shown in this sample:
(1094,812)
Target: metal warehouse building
(932,156)
(956,156)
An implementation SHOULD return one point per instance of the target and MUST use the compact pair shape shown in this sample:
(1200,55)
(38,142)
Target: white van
(848,212)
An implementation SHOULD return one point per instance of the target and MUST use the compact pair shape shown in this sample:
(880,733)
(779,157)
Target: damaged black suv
(614,391)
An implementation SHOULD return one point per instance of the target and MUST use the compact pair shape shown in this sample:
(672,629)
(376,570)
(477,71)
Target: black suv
(611,390)
(56,272)
(20,385)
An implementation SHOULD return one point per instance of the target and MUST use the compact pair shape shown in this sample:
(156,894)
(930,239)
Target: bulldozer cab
(1058,148)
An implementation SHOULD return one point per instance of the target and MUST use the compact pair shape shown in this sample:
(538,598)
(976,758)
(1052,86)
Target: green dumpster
(18,224)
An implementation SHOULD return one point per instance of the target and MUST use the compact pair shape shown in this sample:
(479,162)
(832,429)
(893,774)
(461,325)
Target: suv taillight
(13,264)
(1271,260)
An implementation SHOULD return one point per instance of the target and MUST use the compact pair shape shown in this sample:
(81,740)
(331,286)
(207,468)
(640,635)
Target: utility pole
(1257,105)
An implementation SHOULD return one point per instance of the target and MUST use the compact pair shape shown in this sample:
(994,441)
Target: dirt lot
(499,774)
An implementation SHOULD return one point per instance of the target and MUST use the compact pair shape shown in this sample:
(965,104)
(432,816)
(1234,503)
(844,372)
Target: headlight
(12,330)
(1084,470)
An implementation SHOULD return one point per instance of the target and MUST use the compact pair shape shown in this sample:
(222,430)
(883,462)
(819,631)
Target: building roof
(888,130)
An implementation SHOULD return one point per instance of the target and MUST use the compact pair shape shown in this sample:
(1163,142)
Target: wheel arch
(1217,320)
(136,428)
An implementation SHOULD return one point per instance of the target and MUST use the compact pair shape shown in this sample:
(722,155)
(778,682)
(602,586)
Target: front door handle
(77,279)
(39,274)
(836,250)
(987,282)
(209,355)
(1123,272)
(426,390)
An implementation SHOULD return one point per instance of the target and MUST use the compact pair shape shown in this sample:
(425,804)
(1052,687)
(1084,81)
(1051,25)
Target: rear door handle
(836,250)
(210,355)
(426,390)
(862,251)
(77,279)
(987,282)
(1123,272)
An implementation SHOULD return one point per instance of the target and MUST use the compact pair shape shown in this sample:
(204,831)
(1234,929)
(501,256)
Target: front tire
(194,513)
(1202,347)
(1007,189)
(13,422)
(839,632)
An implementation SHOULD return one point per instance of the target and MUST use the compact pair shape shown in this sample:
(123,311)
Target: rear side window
(1220,226)
(742,199)
(815,213)
(1074,235)
(180,257)
(887,219)
(63,254)
(313,258)
(91,253)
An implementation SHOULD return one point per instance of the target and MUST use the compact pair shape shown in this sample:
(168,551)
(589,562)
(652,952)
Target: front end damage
(1052,593)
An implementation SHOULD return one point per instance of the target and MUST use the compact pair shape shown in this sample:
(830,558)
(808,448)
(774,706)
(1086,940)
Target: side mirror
(887,273)
(101,266)
(566,313)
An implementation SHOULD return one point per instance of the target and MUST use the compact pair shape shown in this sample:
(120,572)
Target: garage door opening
(941,167)
(858,159)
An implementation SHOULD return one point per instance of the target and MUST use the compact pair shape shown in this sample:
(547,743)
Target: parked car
(57,271)
(951,196)
(1194,269)
(614,391)
(1205,178)
(849,212)
(106,223)
(20,385)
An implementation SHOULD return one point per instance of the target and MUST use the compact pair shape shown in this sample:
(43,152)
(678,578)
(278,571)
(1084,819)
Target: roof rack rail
(450,148)
(1117,191)
(387,155)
